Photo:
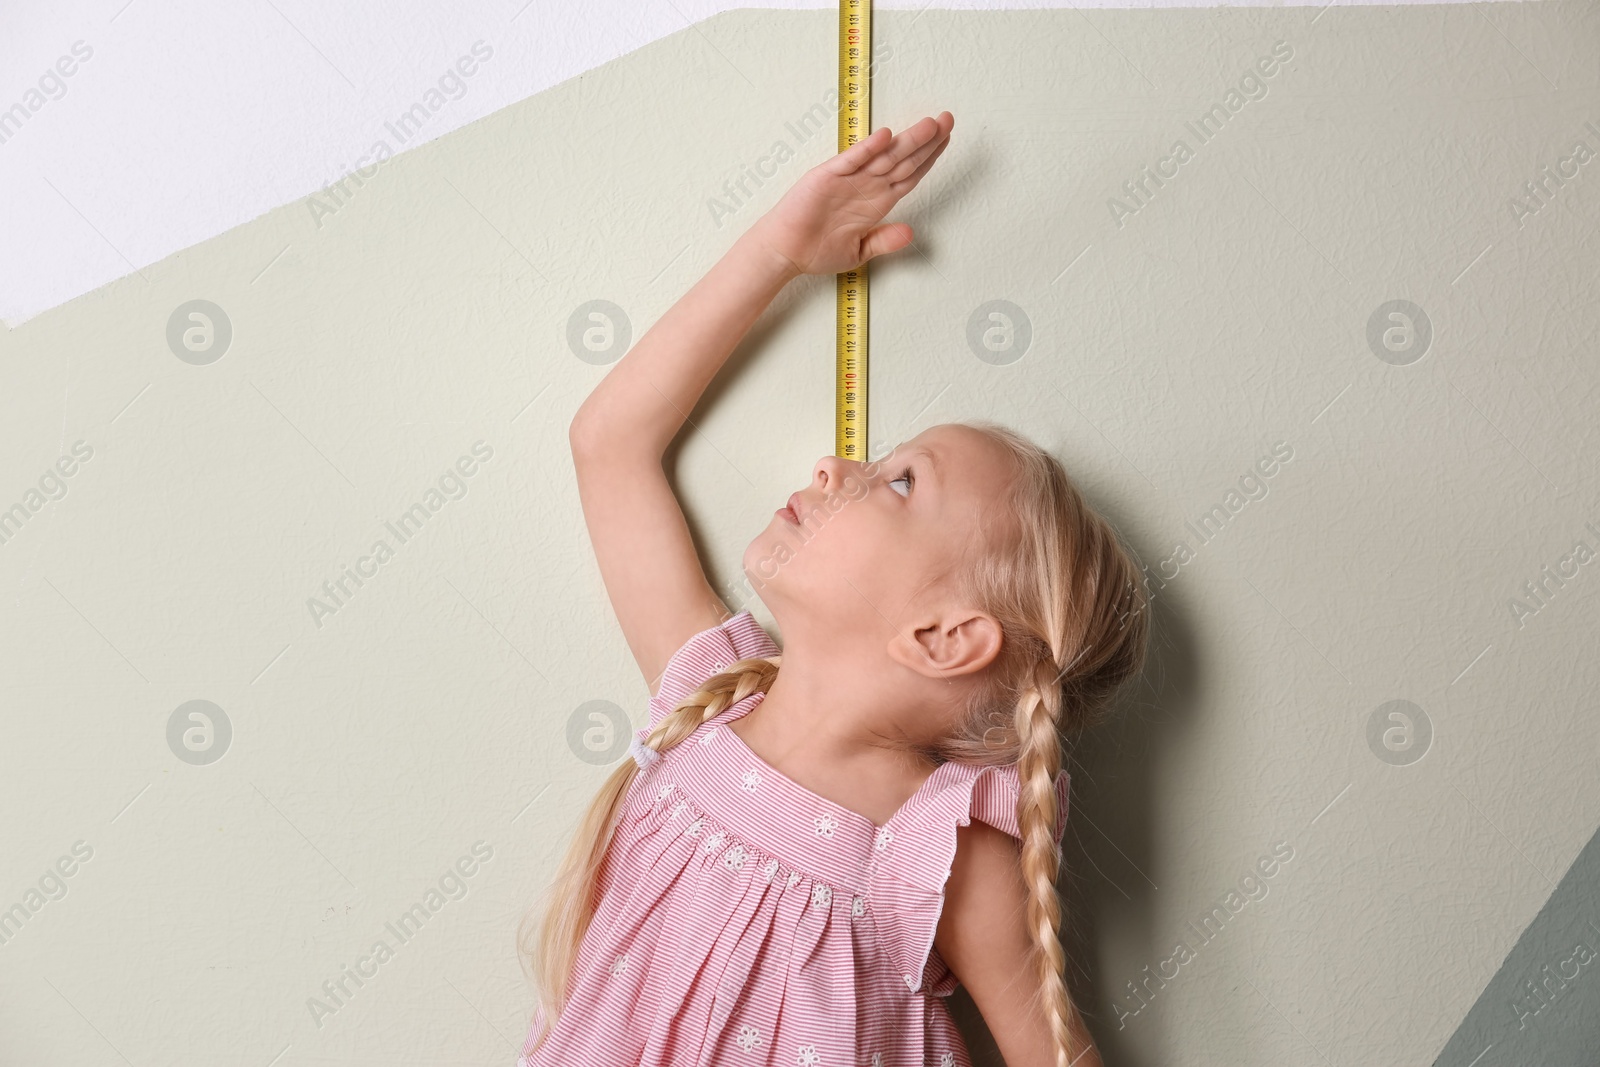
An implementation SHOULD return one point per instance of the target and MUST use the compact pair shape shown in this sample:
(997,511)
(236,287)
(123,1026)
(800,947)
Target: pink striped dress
(744,920)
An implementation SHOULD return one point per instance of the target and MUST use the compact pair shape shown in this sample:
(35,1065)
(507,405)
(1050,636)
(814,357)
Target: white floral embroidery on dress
(947,1060)
(911,983)
(858,908)
(678,809)
(693,829)
(749,1037)
(821,896)
(711,735)
(794,878)
(714,841)
(620,964)
(734,857)
(750,780)
(877,1059)
(769,869)
(666,788)
(825,826)
(884,836)
(808,1056)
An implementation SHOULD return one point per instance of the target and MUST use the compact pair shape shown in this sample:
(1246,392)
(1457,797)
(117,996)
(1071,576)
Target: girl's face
(875,537)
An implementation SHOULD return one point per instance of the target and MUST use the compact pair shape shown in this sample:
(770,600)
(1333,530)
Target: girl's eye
(905,476)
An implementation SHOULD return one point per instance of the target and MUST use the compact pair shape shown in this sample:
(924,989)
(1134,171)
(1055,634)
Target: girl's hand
(828,221)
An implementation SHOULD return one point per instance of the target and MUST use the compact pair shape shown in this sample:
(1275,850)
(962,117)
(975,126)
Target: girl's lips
(790,512)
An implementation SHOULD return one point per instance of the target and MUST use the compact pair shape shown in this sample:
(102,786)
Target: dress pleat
(731,985)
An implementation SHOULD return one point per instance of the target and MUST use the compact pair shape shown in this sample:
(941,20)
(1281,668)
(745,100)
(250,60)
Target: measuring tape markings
(850,288)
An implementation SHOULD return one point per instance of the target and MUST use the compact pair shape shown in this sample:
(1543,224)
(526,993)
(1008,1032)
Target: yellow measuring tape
(850,295)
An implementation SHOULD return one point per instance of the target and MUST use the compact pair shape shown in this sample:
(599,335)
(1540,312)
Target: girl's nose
(830,472)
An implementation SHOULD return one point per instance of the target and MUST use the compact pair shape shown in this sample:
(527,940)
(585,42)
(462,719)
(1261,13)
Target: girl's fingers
(878,153)
(907,143)
(910,163)
(860,153)
(904,185)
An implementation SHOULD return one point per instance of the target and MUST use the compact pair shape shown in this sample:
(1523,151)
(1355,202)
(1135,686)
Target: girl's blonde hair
(1074,618)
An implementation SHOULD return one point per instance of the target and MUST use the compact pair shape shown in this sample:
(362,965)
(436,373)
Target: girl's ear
(954,641)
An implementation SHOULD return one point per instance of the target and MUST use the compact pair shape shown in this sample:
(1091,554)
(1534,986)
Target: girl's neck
(837,729)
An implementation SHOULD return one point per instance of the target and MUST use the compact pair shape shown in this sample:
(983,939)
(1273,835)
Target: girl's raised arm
(641,540)
(827,223)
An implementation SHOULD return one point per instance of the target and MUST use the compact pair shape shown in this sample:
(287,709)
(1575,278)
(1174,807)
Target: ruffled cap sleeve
(912,861)
(706,653)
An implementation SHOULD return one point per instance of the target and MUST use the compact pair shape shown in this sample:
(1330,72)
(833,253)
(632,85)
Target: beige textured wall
(1222,323)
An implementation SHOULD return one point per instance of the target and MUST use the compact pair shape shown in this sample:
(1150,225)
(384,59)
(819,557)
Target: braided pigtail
(1037,767)
(552,930)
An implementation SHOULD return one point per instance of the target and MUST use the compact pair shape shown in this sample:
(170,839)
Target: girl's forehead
(953,445)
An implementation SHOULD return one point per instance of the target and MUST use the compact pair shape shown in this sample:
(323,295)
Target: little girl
(798,865)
